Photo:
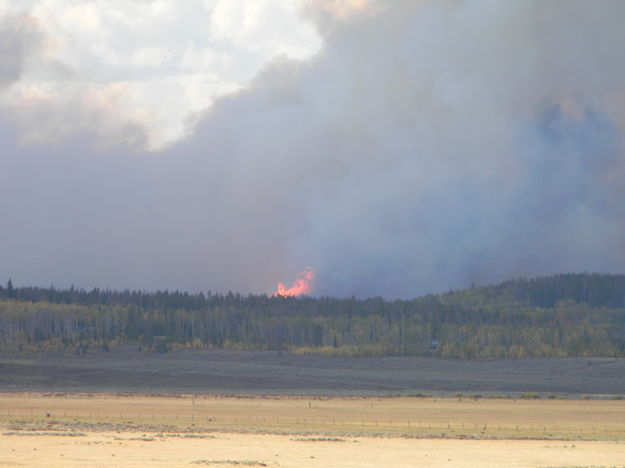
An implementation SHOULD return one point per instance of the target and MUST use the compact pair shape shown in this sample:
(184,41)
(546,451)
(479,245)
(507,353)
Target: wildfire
(302,285)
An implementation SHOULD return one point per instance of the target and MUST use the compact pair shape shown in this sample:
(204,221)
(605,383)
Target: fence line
(396,425)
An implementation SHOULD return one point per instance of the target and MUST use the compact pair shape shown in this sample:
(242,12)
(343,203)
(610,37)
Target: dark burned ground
(234,372)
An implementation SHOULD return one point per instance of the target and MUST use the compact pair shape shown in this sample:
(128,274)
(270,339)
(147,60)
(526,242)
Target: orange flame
(302,285)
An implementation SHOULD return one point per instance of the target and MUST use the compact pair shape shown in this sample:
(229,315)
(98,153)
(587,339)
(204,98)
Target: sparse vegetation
(142,439)
(43,433)
(283,431)
(319,439)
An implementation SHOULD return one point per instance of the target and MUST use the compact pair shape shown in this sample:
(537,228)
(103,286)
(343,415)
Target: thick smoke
(19,39)
(429,145)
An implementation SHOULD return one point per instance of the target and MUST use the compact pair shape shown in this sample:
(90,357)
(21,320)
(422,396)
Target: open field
(170,411)
(235,372)
(200,430)
(410,417)
(227,450)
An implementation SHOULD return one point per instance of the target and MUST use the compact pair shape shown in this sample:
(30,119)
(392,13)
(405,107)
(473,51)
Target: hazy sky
(393,147)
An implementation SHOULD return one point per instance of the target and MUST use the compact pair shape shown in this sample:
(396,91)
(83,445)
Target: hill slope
(564,315)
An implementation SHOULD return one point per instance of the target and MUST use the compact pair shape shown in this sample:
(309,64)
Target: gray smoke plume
(19,39)
(428,146)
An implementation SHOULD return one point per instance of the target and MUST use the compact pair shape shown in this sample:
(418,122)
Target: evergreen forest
(560,315)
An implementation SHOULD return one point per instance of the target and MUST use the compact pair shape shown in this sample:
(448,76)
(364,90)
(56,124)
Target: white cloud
(170,58)
(268,28)
(45,117)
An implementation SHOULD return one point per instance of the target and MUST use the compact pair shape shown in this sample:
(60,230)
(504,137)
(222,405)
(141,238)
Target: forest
(559,315)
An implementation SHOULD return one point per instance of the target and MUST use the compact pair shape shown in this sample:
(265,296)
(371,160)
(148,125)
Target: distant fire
(302,285)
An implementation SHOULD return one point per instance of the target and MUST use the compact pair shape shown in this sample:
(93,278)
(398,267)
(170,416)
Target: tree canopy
(561,315)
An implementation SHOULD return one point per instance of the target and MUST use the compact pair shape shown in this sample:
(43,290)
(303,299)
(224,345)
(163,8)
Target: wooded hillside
(561,315)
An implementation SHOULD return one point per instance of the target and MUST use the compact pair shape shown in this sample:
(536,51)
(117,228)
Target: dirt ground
(72,429)
(129,449)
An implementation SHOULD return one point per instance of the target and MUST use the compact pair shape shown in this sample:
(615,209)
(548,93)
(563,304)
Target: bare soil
(111,449)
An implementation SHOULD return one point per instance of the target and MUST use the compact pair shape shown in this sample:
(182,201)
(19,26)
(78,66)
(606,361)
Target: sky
(388,148)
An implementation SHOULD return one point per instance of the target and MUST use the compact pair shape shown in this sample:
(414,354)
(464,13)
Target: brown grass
(163,431)
(416,417)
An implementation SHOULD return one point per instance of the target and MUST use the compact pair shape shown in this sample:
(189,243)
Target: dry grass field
(71,430)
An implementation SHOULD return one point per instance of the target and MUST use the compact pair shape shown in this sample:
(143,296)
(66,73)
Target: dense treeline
(594,290)
(563,315)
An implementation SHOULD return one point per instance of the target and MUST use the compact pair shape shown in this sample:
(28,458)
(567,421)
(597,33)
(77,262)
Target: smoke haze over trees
(423,146)
(562,315)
